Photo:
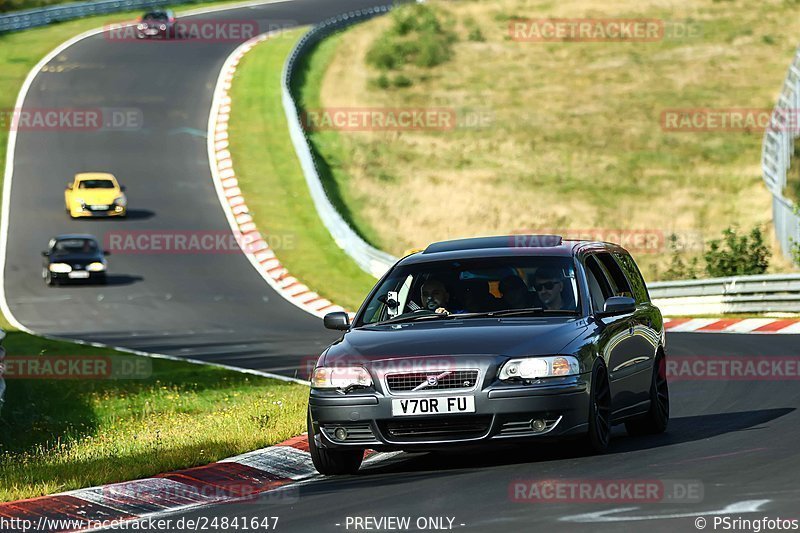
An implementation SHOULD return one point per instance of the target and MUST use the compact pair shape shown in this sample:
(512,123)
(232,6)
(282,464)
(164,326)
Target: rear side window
(619,282)
(634,276)
(599,287)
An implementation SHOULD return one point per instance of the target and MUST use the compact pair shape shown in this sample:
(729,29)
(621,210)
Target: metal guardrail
(777,151)
(32,18)
(370,259)
(769,293)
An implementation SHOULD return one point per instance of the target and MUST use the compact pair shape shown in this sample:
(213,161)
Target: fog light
(538,425)
(340,433)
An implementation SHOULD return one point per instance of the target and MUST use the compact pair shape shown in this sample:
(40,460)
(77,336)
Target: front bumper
(63,277)
(502,413)
(88,213)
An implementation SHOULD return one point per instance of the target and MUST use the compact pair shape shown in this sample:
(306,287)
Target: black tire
(599,435)
(333,462)
(657,417)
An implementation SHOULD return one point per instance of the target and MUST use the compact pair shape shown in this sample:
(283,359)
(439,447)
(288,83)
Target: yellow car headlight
(97,266)
(60,268)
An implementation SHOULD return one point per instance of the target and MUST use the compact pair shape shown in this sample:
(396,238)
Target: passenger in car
(549,285)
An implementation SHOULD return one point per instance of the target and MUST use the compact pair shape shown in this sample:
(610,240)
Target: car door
(616,341)
(632,368)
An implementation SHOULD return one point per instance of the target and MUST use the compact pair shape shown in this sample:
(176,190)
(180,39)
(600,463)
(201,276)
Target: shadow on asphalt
(681,430)
(111,280)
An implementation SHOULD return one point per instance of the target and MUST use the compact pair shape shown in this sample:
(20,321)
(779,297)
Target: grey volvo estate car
(477,341)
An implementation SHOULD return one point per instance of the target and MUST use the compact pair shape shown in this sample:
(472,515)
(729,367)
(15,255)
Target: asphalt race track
(736,440)
(212,306)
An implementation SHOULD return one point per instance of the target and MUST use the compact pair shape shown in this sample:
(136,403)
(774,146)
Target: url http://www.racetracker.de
(201,523)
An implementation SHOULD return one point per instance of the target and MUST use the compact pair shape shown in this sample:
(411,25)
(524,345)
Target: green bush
(402,81)
(416,37)
(737,255)
(678,267)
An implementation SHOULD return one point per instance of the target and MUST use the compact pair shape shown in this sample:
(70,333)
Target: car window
(616,277)
(634,277)
(599,287)
(67,246)
(155,16)
(96,184)
(477,286)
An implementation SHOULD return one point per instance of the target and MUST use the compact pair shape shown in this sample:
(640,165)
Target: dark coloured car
(157,25)
(480,341)
(74,258)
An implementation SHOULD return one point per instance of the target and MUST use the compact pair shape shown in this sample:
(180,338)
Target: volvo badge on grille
(433,381)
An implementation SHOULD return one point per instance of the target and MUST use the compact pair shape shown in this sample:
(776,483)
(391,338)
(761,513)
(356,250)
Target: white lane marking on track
(747,506)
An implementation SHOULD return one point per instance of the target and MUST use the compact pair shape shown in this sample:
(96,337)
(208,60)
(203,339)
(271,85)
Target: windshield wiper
(531,311)
(411,318)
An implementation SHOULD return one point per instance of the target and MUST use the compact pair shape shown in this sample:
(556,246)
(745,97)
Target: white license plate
(79,274)
(438,405)
(99,208)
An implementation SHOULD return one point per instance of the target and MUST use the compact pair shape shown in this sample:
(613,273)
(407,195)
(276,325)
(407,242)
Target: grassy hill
(571,136)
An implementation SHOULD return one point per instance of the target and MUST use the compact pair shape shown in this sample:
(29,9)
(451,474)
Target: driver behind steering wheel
(435,297)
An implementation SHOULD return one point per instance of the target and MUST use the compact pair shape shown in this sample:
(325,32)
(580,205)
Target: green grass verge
(272,181)
(58,435)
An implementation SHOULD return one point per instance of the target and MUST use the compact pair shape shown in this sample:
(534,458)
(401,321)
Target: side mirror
(106,253)
(69,186)
(337,320)
(45,254)
(122,188)
(619,305)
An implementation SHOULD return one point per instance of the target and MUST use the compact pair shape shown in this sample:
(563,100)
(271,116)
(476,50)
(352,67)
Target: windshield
(473,287)
(71,246)
(96,184)
(155,16)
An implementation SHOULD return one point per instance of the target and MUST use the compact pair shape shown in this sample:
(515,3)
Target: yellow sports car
(95,194)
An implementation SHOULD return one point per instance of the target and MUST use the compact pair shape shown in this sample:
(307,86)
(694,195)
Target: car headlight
(121,201)
(162,27)
(340,377)
(540,367)
(60,268)
(97,266)
(141,26)
(80,202)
